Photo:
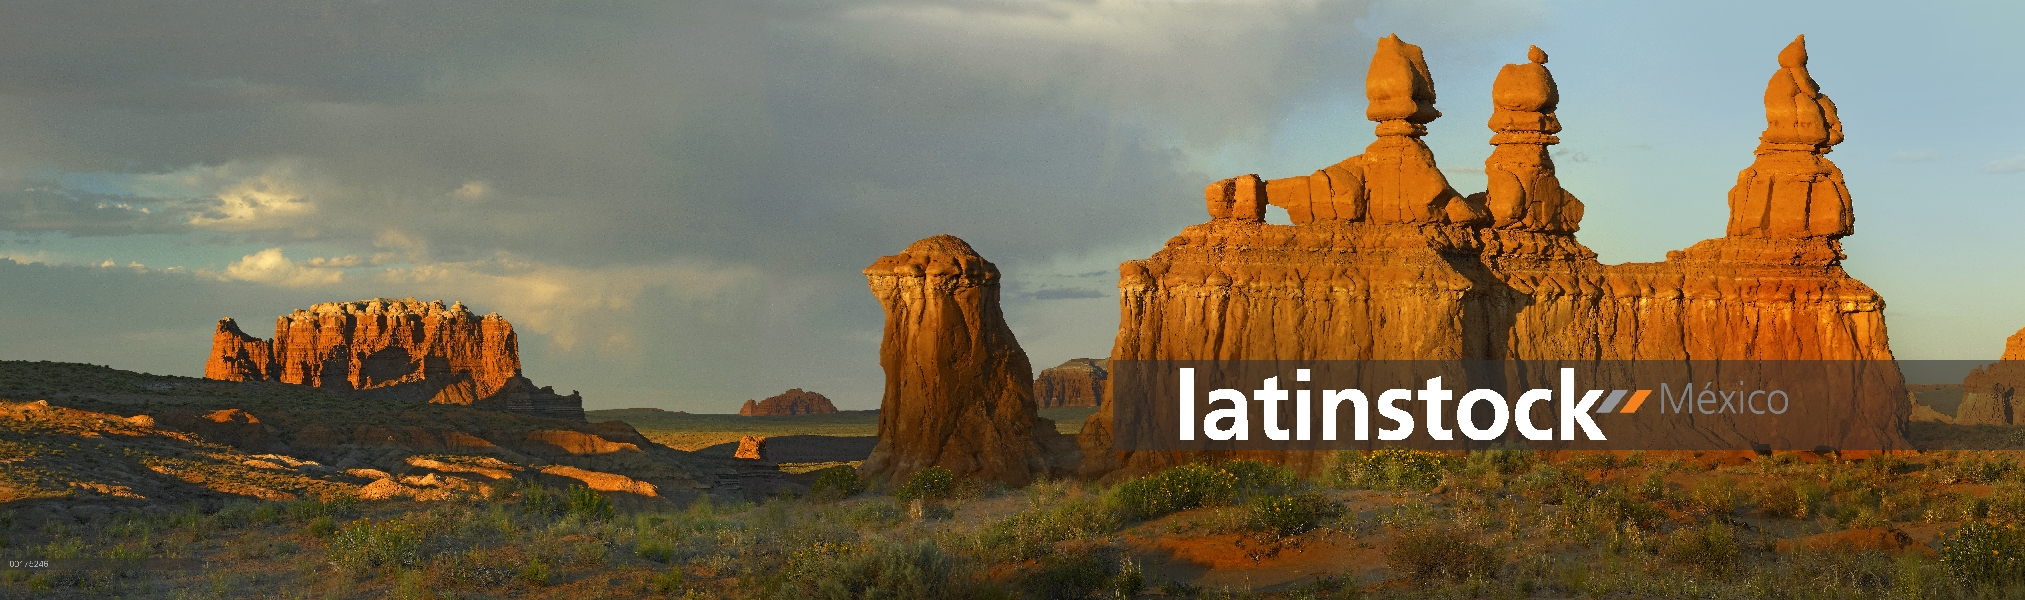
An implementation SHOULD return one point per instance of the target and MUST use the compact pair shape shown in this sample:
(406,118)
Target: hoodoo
(1078,382)
(1384,261)
(1990,393)
(959,390)
(404,349)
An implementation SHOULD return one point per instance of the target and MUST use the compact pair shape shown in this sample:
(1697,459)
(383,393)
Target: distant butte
(789,403)
(402,349)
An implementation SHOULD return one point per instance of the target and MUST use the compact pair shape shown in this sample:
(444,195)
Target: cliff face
(394,348)
(789,403)
(236,356)
(1990,393)
(1078,382)
(958,387)
(1499,274)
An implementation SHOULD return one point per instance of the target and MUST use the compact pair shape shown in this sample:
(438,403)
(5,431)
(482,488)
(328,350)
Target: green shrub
(886,570)
(1717,495)
(1173,490)
(363,544)
(1984,553)
(588,503)
(837,483)
(321,527)
(1393,468)
(1257,477)
(1779,498)
(1427,554)
(1292,514)
(535,573)
(538,499)
(669,581)
(1501,461)
(932,483)
(1033,532)
(1069,575)
(1712,548)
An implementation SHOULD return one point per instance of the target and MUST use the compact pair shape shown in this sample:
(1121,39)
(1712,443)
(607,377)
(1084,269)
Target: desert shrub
(1173,490)
(1590,510)
(1291,514)
(1783,499)
(364,544)
(1711,548)
(1717,495)
(877,515)
(538,499)
(1392,468)
(885,570)
(837,483)
(1982,553)
(536,572)
(320,527)
(1591,461)
(587,503)
(1084,575)
(654,549)
(1652,488)
(1427,554)
(932,483)
(1033,532)
(668,582)
(1257,477)
(1500,461)
(1978,468)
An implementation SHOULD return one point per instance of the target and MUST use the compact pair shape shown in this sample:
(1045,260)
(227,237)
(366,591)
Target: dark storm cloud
(608,173)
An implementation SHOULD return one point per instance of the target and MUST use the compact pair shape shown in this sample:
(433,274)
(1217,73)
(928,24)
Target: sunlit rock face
(1384,261)
(402,348)
(959,390)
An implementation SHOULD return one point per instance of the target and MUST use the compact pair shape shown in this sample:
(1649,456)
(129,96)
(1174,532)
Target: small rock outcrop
(403,348)
(1990,393)
(751,447)
(959,390)
(1078,382)
(789,403)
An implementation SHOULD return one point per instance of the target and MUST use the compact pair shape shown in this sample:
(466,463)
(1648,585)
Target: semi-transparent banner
(1593,405)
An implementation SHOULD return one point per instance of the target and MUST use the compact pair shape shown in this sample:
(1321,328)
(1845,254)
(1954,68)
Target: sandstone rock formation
(1078,382)
(1422,273)
(236,356)
(788,403)
(751,447)
(1990,394)
(958,387)
(404,349)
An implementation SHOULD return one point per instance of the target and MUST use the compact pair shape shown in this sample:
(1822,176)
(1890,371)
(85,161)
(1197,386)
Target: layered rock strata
(1077,382)
(1398,267)
(789,403)
(404,349)
(1990,393)
(958,387)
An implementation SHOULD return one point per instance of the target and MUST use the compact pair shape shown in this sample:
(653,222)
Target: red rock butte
(1385,260)
(397,349)
(1077,382)
(788,403)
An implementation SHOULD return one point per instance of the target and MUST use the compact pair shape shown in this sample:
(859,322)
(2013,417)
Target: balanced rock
(959,390)
(1408,278)
(404,349)
(788,403)
(1990,393)
(1078,382)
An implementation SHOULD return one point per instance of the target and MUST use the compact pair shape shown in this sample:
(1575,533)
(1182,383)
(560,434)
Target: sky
(672,201)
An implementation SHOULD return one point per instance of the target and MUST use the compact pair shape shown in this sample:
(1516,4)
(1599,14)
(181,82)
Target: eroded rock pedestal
(1385,261)
(404,349)
(1990,393)
(958,387)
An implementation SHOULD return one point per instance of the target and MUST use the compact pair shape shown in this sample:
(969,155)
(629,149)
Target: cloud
(574,307)
(1914,156)
(1066,293)
(471,190)
(2015,164)
(270,266)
